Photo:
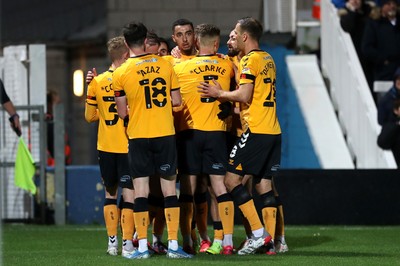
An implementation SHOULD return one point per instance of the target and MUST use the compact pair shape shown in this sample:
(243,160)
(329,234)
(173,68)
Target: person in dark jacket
(353,18)
(389,119)
(381,41)
(389,138)
(385,104)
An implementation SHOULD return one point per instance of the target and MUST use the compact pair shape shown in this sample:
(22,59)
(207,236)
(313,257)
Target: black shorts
(202,152)
(113,166)
(152,156)
(256,154)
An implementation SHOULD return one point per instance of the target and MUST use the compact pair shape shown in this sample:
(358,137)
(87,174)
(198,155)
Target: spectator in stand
(353,18)
(389,118)
(381,41)
(339,3)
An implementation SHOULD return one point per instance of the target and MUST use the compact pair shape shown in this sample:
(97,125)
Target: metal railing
(15,203)
(350,93)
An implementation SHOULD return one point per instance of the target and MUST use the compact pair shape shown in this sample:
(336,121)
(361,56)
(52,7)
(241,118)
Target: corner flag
(24,168)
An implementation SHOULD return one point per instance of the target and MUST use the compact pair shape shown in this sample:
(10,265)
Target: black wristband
(13,116)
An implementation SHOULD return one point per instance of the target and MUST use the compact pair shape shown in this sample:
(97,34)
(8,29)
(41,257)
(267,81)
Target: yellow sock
(172,218)
(127,223)
(226,211)
(218,231)
(141,223)
(269,218)
(111,219)
(249,211)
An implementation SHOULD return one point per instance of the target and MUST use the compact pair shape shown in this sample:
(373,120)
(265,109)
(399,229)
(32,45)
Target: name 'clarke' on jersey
(147,80)
(198,112)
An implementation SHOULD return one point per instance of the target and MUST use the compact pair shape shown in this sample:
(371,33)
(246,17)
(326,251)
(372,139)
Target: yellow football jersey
(258,67)
(147,81)
(198,112)
(174,61)
(111,135)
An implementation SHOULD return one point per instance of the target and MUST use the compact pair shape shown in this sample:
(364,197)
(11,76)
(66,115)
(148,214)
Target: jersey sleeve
(117,84)
(246,71)
(91,113)
(174,80)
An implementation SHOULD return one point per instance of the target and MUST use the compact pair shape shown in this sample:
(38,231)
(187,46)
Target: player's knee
(268,199)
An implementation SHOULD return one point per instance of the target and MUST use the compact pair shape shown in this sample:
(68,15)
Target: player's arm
(91,112)
(243,94)
(176,97)
(122,105)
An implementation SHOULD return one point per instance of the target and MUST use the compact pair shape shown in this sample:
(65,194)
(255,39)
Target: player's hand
(175,52)
(213,89)
(90,75)
(226,110)
(15,124)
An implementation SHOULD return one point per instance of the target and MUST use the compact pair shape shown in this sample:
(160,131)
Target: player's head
(117,49)
(183,36)
(152,42)
(232,44)
(248,28)
(135,34)
(164,47)
(207,35)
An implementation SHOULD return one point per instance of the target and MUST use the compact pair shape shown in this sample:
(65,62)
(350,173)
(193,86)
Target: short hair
(152,38)
(252,26)
(134,33)
(181,22)
(205,32)
(116,48)
(163,40)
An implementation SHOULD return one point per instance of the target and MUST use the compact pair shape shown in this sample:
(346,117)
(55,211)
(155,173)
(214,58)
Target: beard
(232,52)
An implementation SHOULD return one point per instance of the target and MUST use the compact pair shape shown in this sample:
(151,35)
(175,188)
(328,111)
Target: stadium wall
(310,197)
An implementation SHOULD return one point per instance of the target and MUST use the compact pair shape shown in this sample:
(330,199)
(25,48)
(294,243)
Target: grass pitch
(309,245)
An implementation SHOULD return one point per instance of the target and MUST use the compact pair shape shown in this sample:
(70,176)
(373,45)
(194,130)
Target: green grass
(309,245)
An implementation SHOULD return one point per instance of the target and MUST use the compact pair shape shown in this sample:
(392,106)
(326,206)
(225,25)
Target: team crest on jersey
(165,167)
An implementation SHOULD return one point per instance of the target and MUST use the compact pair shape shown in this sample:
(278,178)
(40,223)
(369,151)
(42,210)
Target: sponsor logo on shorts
(217,166)
(275,167)
(165,167)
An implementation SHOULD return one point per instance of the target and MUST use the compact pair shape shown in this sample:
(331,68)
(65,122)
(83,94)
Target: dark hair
(162,40)
(252,26)
(152,38)
(181,22)
(134,33)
